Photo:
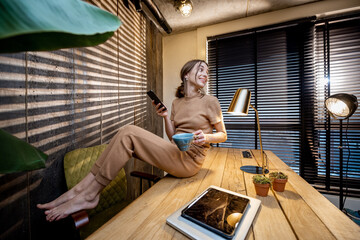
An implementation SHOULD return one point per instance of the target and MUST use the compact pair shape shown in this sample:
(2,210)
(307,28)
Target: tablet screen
(218,211)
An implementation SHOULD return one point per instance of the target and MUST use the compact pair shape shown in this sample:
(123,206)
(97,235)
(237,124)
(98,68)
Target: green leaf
(44,25)
(17,155)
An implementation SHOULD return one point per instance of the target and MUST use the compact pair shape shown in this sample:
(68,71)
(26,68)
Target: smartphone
(217,211)
(153,96)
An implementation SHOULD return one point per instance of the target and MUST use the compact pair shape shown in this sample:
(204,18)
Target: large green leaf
(17,155)
(43,25)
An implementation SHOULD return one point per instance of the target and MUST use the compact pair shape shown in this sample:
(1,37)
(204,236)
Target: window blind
(77,97)
(67,99)
(286,67)
(337,63)
(267,62)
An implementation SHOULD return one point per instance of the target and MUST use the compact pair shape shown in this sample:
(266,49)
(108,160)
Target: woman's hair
(180,92)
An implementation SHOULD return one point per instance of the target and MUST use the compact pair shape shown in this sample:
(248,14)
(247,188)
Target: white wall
(179,48)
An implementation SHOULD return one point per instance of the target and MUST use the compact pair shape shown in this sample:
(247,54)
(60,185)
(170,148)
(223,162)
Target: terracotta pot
(262,189)
(279,184)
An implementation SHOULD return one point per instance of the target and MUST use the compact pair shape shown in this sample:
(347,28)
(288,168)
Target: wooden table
(300,212)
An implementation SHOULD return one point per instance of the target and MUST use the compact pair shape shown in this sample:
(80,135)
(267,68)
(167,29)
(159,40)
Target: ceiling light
(184,6)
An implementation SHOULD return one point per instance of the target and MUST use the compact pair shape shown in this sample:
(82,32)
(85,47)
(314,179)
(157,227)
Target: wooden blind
(66,99)
(77,97)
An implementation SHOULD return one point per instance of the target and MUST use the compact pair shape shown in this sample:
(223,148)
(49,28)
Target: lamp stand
(341,106)
(257,169)
(341,197)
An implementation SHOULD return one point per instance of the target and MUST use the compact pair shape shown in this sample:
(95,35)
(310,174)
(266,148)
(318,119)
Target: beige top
(194,113)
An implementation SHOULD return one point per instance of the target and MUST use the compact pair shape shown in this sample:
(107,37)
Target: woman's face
(198,76)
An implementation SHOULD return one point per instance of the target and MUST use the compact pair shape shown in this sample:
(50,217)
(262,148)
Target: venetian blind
(337,63)
(67,99)
(284,66)
(268,63)
(77,97)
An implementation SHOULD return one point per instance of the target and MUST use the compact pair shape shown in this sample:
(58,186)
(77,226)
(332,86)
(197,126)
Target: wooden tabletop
(300,212)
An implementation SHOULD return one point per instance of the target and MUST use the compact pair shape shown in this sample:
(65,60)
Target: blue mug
(183,140)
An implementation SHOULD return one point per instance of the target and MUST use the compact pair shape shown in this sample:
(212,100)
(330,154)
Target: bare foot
(58,201)
(67,196)
(87,199)
(80,202)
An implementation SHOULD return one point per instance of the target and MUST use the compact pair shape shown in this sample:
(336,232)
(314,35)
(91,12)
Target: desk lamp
(341,106)
(240,106)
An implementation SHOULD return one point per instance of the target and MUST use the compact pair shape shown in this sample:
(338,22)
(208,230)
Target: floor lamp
(341,106)
(240,106)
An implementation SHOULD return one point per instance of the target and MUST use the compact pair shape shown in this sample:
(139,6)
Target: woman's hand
(169,125)
(160,110)
(199,137)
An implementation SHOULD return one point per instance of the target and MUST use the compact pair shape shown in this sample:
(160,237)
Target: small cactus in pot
(279,180)
(262,185)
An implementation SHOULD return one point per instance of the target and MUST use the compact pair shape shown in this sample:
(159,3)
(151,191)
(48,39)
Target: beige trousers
(134,141)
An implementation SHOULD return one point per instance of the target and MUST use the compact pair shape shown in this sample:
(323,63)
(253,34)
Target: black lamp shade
(341,105)
(17,155)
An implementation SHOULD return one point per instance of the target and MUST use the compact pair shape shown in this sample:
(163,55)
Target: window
(276,64)
(338,67)
(268,63)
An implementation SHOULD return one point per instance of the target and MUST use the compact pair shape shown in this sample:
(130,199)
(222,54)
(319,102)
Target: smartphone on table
(156,100)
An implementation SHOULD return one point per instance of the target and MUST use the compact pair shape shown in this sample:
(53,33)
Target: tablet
(218,211)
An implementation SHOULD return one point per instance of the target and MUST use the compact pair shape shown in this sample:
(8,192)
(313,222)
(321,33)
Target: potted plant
(262,185)
(279,180)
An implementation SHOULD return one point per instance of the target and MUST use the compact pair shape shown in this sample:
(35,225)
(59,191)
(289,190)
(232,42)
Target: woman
(192,112)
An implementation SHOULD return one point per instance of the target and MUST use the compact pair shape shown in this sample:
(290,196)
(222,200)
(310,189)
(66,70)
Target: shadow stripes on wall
(62,100)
